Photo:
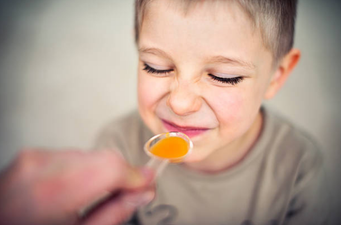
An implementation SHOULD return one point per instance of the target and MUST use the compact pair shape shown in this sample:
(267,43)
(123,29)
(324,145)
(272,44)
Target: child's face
(204,74)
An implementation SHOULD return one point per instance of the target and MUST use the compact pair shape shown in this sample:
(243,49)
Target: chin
(194,157)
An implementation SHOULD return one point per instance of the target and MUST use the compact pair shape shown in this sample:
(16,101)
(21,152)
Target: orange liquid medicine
(170,148)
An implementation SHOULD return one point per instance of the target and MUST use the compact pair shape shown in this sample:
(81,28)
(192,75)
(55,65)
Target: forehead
(205,28)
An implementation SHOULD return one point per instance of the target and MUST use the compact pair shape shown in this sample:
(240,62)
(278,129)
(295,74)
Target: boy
(204,69)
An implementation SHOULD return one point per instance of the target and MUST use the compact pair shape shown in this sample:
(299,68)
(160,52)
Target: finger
(94,174)
(119,209)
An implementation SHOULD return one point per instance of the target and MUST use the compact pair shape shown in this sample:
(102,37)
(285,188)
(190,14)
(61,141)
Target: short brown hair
(274,18)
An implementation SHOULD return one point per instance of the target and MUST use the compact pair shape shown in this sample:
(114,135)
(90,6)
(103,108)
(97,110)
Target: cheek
(235,110)
(227,106)
(150,90)
(145,98)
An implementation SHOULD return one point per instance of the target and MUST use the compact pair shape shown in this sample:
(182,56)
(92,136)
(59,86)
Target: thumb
(119,209)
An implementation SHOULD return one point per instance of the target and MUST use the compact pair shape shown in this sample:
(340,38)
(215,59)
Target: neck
(231,155)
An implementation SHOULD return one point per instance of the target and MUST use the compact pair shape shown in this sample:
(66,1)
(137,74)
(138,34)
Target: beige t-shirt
(281,181)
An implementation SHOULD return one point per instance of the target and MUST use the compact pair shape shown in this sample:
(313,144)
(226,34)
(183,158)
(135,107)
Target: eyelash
(232,81)
(150,69)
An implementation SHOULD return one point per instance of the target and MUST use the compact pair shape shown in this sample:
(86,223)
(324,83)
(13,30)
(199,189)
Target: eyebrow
(232,61)
(215,59)
(154,51)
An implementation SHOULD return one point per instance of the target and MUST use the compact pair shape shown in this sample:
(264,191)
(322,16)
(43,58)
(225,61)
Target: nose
(183,99)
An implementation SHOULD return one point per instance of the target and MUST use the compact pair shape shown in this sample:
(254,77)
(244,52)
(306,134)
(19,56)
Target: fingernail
(140,177)
(147,173)
(137,200)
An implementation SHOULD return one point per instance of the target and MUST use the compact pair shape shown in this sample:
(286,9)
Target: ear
(284,69)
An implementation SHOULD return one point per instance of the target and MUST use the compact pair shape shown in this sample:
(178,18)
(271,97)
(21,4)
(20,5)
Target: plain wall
(69,67)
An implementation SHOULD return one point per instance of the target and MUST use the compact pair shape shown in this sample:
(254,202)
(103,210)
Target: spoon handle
(158,165)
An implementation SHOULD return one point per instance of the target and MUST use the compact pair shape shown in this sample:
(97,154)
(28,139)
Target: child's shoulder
(294,161)
(288,146)
(126,134)
(287,134)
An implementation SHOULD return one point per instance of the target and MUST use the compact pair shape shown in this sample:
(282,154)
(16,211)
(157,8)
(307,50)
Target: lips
(189,131)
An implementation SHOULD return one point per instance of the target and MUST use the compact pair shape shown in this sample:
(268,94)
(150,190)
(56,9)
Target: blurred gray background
(69,67)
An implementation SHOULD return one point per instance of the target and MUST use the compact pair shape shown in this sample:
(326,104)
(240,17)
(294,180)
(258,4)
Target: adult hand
(45,187)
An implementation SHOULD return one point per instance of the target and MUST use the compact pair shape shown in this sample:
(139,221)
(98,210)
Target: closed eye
(232,80)
(150,69)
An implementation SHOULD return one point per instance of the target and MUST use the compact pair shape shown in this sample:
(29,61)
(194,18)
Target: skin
(46,187)
(209,39)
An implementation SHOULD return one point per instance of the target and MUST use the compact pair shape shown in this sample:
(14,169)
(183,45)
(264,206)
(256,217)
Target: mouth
(189,131)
